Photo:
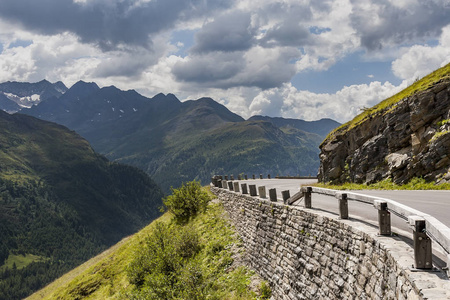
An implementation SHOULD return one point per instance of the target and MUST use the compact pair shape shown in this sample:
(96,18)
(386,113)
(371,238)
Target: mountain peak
(82,83)
(82,89)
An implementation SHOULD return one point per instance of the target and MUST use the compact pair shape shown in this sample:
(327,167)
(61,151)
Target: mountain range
(61,202)
(16,95)
(176,141)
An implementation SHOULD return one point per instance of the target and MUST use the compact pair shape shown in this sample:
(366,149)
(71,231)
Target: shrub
(265,290)
(186,201)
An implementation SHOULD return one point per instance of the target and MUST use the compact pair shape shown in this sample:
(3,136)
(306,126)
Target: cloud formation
(387,22)
(245,54)
(106,23)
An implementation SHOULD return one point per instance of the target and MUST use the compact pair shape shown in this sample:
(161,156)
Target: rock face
(407,140)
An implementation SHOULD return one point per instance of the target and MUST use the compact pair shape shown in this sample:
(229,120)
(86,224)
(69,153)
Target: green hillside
(205,252)
(233,148)
(177,141)
(61,203)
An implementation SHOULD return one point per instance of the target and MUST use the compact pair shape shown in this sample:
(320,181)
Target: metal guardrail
(425,227)
(435,229)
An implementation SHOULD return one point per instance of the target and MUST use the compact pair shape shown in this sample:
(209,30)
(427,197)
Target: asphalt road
(435,203)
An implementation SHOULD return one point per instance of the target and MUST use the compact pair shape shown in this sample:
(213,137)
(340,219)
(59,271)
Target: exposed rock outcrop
(409,139)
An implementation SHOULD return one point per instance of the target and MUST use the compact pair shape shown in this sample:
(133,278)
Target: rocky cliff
(410,138)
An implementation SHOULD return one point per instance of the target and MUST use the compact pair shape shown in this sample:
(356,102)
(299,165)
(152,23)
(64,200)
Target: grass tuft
(387,184)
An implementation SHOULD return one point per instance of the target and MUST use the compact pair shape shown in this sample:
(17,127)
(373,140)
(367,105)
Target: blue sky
(298,59)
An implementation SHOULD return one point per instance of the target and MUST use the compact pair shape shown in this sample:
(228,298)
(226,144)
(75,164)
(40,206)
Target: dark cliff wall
(312,255)
(410,139)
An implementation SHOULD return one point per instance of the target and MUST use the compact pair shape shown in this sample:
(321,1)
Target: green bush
(156,265)
(186,201)
(265,290)
(189,261)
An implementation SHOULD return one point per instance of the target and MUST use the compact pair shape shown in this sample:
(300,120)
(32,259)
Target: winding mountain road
(435,203)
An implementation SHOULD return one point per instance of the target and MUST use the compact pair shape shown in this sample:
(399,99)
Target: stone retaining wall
(310,254)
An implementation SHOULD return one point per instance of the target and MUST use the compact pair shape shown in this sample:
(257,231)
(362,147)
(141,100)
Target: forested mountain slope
(61,203)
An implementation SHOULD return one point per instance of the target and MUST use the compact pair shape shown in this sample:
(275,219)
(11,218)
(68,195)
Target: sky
(287,58)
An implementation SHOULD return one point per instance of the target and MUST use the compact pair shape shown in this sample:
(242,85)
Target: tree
(186,201)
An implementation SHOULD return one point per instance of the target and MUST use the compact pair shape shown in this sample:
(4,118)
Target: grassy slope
(105,277)
(420,85)
(92,274)
(31,149)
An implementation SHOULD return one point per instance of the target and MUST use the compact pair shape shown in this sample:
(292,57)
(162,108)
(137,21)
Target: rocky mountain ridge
(406,140)
(176,141)
(16,95)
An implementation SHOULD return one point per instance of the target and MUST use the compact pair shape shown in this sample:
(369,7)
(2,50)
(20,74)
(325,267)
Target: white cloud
(342,106)
(420,60)
(267,43)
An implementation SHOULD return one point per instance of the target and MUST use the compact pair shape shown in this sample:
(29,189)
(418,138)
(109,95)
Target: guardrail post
(268,176)
(253,176)
(219,183)
(231,177)
(226,177)
(422,243)
(260,176)
(224,184)
(230,185)
(343,205)
(273,195)
(252,188)
(384,217)
(245,176)
(244,188)
(286,195)
(307,196)
(236,186)
(262,191)
(239,177)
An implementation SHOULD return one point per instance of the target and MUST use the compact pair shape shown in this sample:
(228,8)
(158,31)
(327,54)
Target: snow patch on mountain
(27,101)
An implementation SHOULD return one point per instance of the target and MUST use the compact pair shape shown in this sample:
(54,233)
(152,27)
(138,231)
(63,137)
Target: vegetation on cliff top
(387,184)
(166,260)
(441,74)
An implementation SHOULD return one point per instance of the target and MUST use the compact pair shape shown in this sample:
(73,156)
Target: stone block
(286,195)
(244,188)
(252,188)
(262,191)
(230,185)
(236,186)
(273,195)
